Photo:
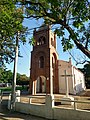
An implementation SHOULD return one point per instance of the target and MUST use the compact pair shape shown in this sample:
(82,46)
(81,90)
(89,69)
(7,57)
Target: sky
(23,66)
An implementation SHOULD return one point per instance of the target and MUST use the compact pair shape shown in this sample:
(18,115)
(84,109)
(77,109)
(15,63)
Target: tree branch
(78,62)
(57,20)
(76,41)
(87,40)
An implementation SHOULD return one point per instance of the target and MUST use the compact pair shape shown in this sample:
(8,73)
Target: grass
(21,88)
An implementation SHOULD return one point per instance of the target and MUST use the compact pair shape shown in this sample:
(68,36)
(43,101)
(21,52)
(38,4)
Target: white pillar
(33,88)
(51,80)
(35,84)
(66,81)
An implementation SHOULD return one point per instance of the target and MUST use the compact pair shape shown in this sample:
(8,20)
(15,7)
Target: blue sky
(23,66)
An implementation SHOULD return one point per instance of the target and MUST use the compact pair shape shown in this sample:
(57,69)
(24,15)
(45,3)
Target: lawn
(21,88)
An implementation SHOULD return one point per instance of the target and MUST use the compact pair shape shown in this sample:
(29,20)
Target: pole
(13,95)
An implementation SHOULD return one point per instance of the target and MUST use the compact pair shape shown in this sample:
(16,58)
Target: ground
(85,93)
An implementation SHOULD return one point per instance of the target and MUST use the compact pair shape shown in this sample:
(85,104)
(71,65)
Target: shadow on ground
(6,114)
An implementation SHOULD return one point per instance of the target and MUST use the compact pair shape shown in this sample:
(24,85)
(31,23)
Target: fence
(77,104)
(3,94)
(50,111)
(44,106)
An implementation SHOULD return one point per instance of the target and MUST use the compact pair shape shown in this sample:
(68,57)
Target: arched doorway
(41,84)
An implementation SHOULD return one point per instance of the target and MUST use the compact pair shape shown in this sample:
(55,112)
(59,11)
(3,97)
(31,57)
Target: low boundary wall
(48,110)
(70,114)
(33,109)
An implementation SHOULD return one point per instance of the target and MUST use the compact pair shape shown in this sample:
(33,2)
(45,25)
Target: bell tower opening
(41,41)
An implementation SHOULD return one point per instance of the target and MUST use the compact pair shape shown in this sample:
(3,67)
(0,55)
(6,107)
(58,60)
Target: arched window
(41,62)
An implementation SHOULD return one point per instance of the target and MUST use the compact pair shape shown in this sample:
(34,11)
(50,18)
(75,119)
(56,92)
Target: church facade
(76,82)
(46,69)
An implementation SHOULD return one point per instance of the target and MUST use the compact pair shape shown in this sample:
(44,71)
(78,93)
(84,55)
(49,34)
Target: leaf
(32,41)
(11,19)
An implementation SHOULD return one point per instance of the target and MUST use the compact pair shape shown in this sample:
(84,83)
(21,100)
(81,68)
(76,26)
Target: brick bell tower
(44,66)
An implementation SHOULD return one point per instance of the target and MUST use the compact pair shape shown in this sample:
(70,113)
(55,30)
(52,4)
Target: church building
(47,72)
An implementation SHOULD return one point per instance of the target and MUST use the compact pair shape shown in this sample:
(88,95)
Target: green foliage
(71,15)
(22,79)
(11,18)
(6,76)
(5,89)
(66,43)
(86,71)
(21,88)
(32,41)
(87,75)
(60,32)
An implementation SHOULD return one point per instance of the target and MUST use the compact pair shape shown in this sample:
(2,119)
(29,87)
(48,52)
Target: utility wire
(24,51)
(27,48)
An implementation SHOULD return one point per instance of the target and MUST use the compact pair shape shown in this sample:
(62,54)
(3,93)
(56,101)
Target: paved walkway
(5,114)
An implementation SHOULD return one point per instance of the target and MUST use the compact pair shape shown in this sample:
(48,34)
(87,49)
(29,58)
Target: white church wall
(79,80)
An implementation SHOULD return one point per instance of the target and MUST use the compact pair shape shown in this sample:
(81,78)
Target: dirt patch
(85,93)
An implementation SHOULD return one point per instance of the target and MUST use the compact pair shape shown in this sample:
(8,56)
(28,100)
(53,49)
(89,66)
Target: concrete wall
(42,110)
(55,113)
(49,111)
(33,109)
(70,114)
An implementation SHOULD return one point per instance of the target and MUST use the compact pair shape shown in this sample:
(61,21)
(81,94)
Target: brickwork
(44,61)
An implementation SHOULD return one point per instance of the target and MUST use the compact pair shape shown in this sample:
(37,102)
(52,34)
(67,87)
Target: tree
(9,76)
(1,74)
(22,79)
(5,75)
(86,71)
(18,76)
(87,74)
(11,18)
(73,16)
